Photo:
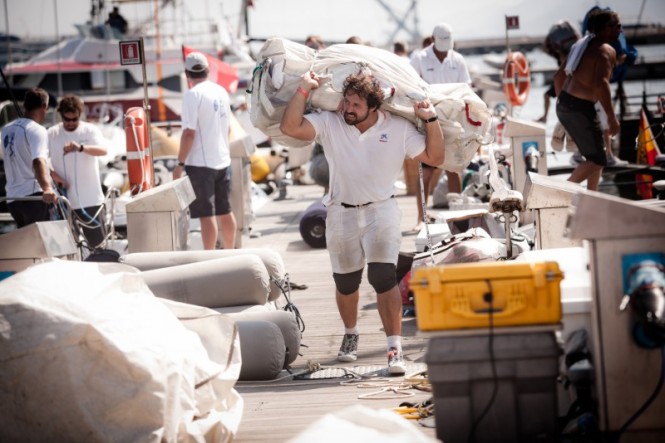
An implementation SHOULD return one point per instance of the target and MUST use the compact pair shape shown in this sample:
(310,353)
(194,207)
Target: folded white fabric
(576,52)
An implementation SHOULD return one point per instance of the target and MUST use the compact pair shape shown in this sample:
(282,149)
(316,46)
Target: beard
(351,118)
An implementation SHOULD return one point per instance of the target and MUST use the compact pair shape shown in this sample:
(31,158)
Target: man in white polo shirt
(365,148)
(439,63)
(205,153)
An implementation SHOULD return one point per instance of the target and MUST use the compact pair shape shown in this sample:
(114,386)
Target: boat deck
(279,410)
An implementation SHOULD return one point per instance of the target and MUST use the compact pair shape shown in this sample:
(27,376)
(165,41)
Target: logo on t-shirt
(8,143)
(383,138)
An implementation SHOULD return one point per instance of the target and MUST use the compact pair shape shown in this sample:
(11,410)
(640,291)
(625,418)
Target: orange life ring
(516,90)
(139,164)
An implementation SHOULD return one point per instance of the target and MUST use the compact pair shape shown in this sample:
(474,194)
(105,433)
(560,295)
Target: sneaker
(396,364)
(576,159)
(614,161)
(558,137)
(348,350)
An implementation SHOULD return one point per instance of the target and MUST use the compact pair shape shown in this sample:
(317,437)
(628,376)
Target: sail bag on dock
(88,353)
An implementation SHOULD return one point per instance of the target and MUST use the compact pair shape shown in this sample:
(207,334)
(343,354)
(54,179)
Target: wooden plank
(279,411)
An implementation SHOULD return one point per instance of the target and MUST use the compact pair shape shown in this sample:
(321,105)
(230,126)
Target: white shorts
(602,116)
(355,236)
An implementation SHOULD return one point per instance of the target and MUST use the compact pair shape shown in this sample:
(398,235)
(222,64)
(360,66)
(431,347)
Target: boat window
(63,50)
(72,82)
(113,80)
(171,83)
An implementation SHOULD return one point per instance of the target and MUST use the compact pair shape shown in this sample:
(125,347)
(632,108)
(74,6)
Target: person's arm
(433,154)
(186,141)
(559,78)
(293,123)
(41,168)
(604,67)
(93,150)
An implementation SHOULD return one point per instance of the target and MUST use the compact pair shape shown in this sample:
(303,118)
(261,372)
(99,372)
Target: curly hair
(70,103)
(600,18)
(365,86)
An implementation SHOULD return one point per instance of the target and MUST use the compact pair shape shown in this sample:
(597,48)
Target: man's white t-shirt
(23,141)
(79,170)
(364,166)
(452,70)
(206,110)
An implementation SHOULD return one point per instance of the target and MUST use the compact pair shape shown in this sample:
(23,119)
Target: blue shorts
(212,188)
(581,121)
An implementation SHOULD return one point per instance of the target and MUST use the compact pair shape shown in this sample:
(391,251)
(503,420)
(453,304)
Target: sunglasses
(70,120)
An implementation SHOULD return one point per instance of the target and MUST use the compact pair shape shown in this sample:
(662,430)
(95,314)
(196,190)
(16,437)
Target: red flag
(512,22)
(219,72)
(647,150)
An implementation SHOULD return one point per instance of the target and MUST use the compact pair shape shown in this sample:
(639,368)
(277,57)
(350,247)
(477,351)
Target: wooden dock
(276,411)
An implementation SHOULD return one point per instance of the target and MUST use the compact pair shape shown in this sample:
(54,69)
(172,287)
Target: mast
(57,37)
(161,109)
(9,44)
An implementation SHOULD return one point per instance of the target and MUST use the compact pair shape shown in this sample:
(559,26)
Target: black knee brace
(349,283)
(381,276)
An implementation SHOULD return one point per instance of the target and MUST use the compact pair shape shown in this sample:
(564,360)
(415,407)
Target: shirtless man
(580,82)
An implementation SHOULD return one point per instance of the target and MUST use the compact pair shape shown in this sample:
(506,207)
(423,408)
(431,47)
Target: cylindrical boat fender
(139,163)
(516,89)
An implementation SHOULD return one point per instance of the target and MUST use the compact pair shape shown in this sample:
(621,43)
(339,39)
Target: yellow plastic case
(461,295)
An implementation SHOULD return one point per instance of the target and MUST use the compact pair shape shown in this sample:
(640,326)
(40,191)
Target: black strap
(346,205)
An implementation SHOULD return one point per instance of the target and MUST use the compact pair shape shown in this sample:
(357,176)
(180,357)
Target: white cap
(443,37)
(196,62)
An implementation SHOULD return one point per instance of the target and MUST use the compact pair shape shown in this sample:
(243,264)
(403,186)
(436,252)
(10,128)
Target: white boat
(89,65)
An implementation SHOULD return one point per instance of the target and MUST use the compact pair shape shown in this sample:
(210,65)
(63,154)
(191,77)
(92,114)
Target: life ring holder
(516,78)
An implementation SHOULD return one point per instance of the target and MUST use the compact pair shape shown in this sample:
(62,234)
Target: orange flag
(219,72)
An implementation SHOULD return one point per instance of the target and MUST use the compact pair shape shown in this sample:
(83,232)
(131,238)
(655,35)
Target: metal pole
(507,218)
(161,109)
(146,108)
(19,112)
(505,19)
(9,43)
(505,23)
(57,37)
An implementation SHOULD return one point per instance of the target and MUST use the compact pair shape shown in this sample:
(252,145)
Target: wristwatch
(431,119)
(80,147)
(181,164)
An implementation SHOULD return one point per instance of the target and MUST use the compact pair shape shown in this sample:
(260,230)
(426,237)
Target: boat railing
(65,210)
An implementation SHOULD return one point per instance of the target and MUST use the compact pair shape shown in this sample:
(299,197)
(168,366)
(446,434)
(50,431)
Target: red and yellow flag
(647,150)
